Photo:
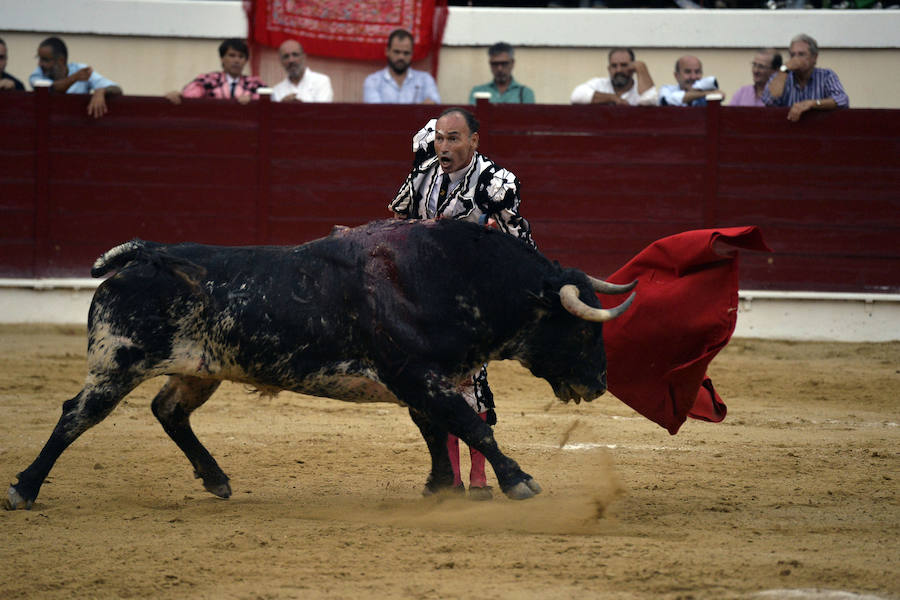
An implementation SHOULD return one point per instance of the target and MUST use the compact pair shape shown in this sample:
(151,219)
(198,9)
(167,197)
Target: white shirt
(584,93)
(313,87)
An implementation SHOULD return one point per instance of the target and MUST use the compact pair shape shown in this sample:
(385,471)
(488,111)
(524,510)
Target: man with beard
(692,87)
(766,62)
(301,84)
(72,78)
(398,83)
(503,89)
(803,86)
(228,84)
(629,83)
(451,180)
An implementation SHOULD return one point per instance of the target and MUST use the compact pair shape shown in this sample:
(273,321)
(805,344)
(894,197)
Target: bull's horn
(568,296)
(610,288)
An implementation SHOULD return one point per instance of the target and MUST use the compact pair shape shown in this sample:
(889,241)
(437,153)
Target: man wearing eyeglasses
(503,89)
(766,62)
(803,86)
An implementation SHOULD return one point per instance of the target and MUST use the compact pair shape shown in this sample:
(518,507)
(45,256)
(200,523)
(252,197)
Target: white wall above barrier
(798,316)
(476,26)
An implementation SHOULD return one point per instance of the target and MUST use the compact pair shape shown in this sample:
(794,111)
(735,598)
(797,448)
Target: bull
(392,311)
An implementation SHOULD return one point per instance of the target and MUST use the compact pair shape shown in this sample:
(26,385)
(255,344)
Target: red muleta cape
(684,313)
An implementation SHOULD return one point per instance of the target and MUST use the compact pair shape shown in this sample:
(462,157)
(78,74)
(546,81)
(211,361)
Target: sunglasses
(500,63)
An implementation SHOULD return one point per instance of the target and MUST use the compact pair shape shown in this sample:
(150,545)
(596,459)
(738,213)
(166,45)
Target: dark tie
(442,194)
(233,84)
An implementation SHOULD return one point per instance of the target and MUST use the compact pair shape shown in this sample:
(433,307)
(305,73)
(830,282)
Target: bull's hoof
(15,500)
(523,490)
(480,494)
(222,490)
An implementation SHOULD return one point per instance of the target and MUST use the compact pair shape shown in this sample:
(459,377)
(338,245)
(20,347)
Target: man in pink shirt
(228,84)
(764,64)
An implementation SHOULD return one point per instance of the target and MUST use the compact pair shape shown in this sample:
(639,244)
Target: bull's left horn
(605,287)
(568,296)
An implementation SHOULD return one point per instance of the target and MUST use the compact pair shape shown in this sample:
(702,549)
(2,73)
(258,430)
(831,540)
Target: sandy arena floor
(795,495)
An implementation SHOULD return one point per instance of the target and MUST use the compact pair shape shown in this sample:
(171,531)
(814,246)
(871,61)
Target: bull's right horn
(605,287)
(568,296)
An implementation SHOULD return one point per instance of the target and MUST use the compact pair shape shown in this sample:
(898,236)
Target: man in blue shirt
(72,78)
(398,83)
(801,85)
(503,89)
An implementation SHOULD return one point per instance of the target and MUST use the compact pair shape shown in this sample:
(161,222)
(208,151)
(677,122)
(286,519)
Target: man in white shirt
(629,83)
(301,84)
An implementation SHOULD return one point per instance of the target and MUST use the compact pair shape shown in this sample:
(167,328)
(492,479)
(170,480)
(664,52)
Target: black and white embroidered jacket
(486,191)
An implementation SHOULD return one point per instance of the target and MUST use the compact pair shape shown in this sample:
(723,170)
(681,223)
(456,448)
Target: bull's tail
(149,253)
(117,257)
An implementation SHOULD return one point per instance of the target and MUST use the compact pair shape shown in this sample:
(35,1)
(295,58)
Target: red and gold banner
(347,28)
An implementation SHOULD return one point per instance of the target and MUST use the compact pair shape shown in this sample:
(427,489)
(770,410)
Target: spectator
(230,83)
(629,83)
(302,84)
(7,81)
(692,87)
(398,83)
(72,78)
(803,86)
(766,62)
(503,89)
(451,180)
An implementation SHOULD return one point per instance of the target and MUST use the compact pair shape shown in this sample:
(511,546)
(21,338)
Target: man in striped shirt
(801,85)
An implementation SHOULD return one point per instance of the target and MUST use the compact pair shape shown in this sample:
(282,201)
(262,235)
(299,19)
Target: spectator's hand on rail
(7,84)
(291,98)
(244,99)
(798,108)
(97,105)
(173,97)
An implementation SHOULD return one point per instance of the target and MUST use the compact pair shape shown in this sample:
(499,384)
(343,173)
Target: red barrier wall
(599,183)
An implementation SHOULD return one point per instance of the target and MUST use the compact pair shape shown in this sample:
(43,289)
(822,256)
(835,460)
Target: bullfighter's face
(454,143)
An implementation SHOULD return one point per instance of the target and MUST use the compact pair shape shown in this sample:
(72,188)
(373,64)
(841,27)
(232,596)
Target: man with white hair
(302,84)
(803,86)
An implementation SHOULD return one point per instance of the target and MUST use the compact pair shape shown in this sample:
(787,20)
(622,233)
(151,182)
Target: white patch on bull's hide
(102,356)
